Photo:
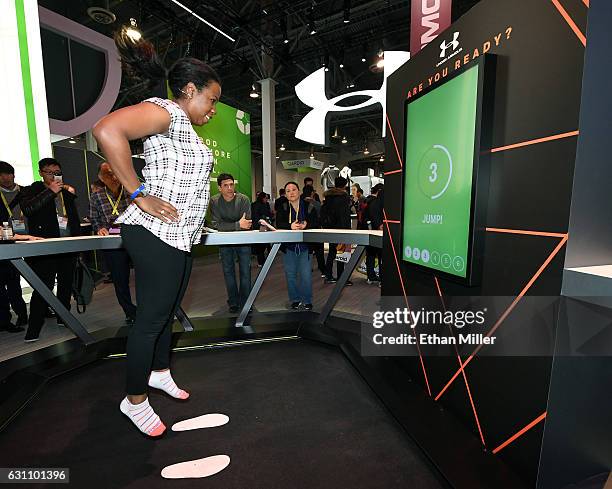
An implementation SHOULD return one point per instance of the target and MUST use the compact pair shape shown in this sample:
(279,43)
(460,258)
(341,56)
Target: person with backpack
(297,214)
(335,214)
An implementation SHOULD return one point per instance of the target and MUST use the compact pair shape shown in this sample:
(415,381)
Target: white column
(24,131)
(268,133)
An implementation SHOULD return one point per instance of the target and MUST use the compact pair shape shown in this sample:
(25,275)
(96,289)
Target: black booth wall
(577,444)
(538,79)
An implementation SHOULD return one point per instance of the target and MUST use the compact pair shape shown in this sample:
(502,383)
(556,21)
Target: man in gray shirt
(231,211)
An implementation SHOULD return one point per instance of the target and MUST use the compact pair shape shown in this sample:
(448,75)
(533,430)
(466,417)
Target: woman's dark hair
(141,62)
(261,196)
(291,183)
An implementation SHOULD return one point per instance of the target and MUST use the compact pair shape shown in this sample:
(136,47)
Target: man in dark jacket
(260,209)
(372,218)
(336,214)
(50,210)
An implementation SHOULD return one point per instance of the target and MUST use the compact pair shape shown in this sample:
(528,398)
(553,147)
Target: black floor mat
(300,417)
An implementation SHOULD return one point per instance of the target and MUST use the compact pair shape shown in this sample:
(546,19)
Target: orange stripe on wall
(535,141)
(467,385)
(399,273)
(399,157)
(570,22)
(506,313)
(520,433)
(530,233)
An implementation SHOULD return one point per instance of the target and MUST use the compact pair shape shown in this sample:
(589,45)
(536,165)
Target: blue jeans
(299,276)
(228,256)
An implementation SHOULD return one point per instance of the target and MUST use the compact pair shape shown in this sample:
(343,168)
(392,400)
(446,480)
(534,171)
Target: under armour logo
(454,44)
(313,128)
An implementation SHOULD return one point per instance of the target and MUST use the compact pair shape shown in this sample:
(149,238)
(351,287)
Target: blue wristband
(137,191)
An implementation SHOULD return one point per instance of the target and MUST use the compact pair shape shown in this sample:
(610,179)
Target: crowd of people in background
(46,209)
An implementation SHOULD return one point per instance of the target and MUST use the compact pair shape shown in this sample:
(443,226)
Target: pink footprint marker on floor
(204,421)
(196,469)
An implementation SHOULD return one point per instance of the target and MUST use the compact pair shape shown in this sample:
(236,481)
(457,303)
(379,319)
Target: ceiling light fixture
(311,22)
(254,93)
(382,158)
(344,140)
(283,21)
(203,20)
(366,151)
(347,11)
(132,31)
(282,147)
(72,141)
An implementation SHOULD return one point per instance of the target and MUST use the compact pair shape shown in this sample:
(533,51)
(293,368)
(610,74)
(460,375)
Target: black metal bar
(184,319)
(257,285)
(335,295)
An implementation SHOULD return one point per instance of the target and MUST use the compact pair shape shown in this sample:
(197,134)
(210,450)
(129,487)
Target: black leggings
(162,274)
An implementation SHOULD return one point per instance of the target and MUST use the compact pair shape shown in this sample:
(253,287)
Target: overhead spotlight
(380,63)
(380,53)
(72,141)
(278,157)
(363,59)
(311,22)
(132,31)
(254,93)
(352,85)
(347,11)
(341,65)
(326,61)
(344,140)
(366,151)
(282,147)
(311,155)
(284,29)
(382,158)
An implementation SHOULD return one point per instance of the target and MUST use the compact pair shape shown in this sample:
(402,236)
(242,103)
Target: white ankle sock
(165,382)
(143,416)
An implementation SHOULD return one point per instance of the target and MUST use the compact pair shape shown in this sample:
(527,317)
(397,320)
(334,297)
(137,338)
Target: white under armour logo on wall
(454,44)
(313,128)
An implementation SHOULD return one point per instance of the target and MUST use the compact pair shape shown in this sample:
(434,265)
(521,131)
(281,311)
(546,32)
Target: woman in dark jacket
(260,209)
(297,214)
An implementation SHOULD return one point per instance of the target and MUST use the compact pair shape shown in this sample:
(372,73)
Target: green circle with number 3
(434,172)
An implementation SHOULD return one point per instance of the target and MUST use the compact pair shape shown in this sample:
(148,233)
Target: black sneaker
(29,338)
(373,281)
(331,280)
(308,307)
(348,283)
(16,329)
(295,306)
